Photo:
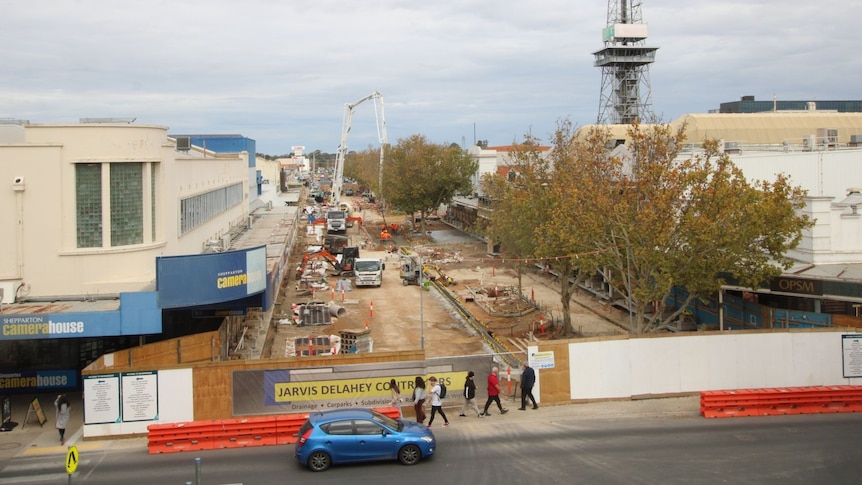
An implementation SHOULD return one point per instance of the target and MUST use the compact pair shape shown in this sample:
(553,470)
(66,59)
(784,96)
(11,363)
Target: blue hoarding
(138,315)
(205,279)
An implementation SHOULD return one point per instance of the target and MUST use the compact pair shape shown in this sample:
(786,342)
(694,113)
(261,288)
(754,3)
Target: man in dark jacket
(528,380)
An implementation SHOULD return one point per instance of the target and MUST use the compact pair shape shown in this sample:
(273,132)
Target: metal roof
(768,128)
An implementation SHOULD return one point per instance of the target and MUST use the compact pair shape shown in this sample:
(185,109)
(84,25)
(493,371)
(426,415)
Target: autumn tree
(364,167)
(685,221)
(532,218)
(521,201)
(649,219)
(418,176)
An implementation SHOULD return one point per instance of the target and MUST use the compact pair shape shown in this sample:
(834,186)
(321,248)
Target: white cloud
(281,72)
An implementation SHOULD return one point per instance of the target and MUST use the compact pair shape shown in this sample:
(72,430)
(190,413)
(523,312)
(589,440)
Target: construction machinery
(335,243)
(349,108)
(410,264)
(343,266)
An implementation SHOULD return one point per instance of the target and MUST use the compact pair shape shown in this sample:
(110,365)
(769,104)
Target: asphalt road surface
(520,447)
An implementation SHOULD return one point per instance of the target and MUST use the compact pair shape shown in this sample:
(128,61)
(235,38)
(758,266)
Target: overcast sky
(280,72)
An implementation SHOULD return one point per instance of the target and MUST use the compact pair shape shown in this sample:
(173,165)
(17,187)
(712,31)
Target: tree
(418,176)
(659,220)
(532,215)
(649,220)
(364,167)
(520,200)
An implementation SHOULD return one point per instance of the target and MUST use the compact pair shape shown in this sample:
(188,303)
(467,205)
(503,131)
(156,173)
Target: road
(552,445)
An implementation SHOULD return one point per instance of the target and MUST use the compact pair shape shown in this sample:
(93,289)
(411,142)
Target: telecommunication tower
(625,60)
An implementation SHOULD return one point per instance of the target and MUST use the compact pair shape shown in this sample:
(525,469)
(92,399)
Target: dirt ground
(400,317)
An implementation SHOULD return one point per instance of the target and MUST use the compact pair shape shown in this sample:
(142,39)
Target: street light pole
(629,290)
(421,315)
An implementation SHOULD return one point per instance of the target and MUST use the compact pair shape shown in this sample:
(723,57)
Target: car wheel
(409,455)
(319,461)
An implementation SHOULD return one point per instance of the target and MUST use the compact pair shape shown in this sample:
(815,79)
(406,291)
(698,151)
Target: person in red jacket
(494,392)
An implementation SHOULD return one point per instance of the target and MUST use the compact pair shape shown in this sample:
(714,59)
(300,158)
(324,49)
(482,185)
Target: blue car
(360,434)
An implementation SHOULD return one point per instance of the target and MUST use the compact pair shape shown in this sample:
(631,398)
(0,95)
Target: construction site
(461,302)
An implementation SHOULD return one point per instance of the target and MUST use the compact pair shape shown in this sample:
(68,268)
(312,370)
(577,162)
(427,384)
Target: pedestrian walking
(419,399)
(494,392)
(436,403)
(63,408)
(528,379)
(470,395)
(396,396)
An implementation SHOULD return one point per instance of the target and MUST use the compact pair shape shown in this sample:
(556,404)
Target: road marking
(50,450)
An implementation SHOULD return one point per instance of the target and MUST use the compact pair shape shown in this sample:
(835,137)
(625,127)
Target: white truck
(336,221)
(368,271)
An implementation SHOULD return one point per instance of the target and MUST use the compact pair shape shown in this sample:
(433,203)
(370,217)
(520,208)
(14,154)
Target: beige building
(88,207)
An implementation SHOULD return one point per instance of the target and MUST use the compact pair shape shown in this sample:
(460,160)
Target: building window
(119,191)
(197,210)
(153,177)
(88,205)
(127,204)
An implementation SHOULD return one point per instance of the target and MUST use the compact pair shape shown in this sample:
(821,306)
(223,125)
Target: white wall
(175,405)
(693,363)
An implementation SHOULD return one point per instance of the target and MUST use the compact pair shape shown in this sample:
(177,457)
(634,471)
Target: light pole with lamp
(421,306)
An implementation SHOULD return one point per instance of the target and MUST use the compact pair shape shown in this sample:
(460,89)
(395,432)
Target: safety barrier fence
(781,401)
(230,433)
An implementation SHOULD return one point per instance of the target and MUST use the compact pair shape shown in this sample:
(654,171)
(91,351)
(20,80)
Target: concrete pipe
(336,310)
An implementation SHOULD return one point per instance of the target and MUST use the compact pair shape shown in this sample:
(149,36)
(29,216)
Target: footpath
(35,440)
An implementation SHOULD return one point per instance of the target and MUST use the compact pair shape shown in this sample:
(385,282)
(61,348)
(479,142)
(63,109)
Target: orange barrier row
(781,401)
(230,433)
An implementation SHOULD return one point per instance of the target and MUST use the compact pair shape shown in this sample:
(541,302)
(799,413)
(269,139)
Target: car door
(340,441)
(372,442)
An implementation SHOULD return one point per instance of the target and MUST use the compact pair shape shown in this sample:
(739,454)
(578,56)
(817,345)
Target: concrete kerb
(35,440)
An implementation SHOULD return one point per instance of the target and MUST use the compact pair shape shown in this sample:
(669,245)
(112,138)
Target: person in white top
(436,404)
(396,396)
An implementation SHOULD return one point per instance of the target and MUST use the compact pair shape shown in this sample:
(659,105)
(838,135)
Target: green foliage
(418,176)
(647,219)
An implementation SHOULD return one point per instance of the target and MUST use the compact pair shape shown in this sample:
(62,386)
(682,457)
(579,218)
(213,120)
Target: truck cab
(336,221)
(368,271)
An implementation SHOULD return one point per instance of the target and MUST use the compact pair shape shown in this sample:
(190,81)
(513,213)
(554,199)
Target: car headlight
(427,439)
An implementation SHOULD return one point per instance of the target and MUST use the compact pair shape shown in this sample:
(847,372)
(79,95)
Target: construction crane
(349,108)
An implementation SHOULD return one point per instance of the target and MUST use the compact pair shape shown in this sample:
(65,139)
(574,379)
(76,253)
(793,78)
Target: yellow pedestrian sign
(72,460)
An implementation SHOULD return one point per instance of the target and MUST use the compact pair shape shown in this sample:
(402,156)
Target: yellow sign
(72,460)
(351,388)
(37,408)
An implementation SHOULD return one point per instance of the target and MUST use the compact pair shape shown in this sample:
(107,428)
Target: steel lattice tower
(625,59)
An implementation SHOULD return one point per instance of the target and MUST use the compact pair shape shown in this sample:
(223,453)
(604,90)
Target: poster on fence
(102,399)
(140,396)
(851,345)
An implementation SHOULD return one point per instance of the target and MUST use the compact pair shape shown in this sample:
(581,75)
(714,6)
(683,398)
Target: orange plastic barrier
(176,437)
(230,433)
(781,401)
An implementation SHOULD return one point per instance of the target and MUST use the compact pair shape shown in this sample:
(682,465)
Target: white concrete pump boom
(338,181)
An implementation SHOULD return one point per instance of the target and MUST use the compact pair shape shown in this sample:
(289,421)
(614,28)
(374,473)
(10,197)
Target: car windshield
(387,421)
(335,215)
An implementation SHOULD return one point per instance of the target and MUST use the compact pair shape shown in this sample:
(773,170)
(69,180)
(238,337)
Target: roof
(765,128)
(511,148)
(340,414)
